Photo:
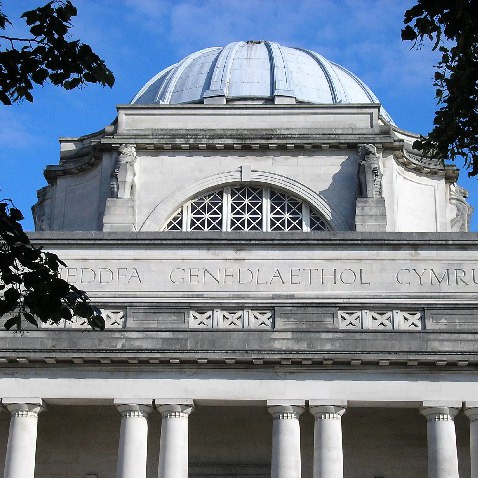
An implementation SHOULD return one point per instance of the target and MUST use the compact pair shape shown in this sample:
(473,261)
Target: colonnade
(286,455)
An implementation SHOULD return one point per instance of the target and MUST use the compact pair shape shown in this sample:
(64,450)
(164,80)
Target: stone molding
(419,164)
(163,210)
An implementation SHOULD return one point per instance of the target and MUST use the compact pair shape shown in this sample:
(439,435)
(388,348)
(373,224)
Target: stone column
(286,461)
(173,451)
(133,444)
(442,454)
(472,413)
(328,452)
(22,438)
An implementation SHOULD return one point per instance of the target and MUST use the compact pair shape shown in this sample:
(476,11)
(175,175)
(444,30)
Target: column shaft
(286,460)
(22,440)
(472,414)
(133,444)
(442,453)
(174,450)
(328,452)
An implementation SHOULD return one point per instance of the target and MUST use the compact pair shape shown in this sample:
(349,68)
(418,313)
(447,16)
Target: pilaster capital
(175,409)
(439,414)
(327,412)
(24,407)
(286,411)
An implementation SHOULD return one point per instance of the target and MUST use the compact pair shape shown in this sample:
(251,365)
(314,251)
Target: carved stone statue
(461,221)
(122,177)
(369,173)
(42,210)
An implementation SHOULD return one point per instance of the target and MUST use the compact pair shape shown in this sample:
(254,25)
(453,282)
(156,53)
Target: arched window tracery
(246,208)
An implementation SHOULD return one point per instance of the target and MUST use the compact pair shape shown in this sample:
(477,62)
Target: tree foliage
(30,287)
(46,54)
(452,26)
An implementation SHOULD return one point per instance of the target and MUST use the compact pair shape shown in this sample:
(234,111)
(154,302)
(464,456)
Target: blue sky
(138,38)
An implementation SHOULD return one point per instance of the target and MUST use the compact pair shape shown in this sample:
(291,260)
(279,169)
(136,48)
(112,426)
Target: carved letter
(295,276)
(445,274)
(87,276)
(397,277)
(176,276)
(245,271)
(134,275)
(353,277)
(109,275)
(420,275)
(459,277)
(362,281)
(276,275)
(207,272)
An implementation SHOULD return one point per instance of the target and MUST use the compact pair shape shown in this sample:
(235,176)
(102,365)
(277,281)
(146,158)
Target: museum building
(289,288)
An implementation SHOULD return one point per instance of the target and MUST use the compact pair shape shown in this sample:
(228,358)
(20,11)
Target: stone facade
(289,290)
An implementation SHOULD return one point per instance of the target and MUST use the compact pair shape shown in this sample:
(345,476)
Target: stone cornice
(384,240)
(420,164)
(247,140)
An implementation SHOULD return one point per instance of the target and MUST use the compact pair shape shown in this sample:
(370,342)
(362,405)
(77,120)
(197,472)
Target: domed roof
(256,70)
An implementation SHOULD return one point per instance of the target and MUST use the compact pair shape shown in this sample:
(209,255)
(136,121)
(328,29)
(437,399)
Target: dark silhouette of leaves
(452,26)
(31,289)
(47,54)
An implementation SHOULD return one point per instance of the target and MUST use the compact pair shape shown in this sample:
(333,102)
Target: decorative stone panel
(114,319)
(380,320)
(233,319)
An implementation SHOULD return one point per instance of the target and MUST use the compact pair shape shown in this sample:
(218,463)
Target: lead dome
(256,71)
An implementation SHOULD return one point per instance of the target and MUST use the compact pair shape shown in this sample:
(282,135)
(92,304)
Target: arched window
(246,208)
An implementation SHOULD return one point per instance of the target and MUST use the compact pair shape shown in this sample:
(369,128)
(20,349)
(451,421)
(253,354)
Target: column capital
(177,409)
(24,407)
(327,412)
(285,412)
(472,413)
(134,410)
(437,414)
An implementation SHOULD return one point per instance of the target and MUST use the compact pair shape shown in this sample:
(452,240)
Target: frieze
(275,277)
